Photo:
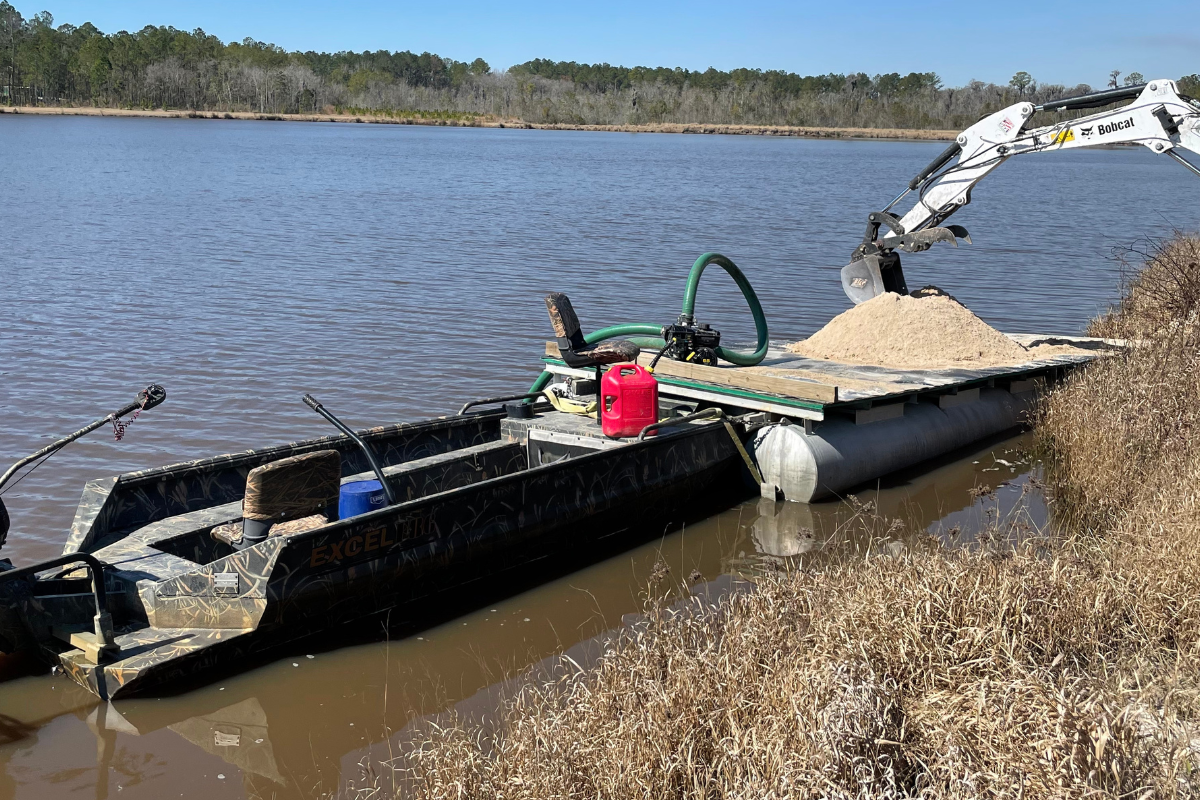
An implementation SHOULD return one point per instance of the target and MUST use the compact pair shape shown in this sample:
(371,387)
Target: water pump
(690,341)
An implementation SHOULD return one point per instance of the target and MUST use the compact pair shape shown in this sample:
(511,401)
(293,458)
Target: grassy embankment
(472,120)
(1069,667)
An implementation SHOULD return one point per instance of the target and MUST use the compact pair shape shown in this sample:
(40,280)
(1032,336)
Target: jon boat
(480,494)
(184,572)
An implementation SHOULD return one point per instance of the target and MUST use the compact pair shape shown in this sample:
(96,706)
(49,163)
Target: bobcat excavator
(1159,118)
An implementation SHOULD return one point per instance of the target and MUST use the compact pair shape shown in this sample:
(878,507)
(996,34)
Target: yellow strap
(741,449)
(568,406)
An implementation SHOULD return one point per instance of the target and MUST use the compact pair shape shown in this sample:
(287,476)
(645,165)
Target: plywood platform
(790,384)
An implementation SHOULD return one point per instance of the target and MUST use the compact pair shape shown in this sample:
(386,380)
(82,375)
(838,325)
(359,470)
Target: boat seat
(299,525)
(575,351)
(286,496)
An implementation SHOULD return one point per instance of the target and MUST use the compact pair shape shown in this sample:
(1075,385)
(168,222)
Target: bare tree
(11,25)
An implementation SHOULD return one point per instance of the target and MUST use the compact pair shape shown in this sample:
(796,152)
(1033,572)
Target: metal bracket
(1170,126)
(226,583)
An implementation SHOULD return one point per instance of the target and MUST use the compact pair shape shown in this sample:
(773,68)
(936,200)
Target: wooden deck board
(754,379)
(827,384)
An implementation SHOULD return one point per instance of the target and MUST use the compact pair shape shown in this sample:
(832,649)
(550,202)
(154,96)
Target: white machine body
(1158,118)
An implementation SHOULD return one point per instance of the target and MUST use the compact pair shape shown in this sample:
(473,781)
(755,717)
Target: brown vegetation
(1067,667)
(456,119)
(1122,438)
(1161,298)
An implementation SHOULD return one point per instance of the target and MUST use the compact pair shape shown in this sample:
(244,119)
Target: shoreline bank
(900,134)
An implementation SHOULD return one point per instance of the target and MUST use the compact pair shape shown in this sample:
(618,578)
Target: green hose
(760,319)
(650,336)
(646,336)
(541,382)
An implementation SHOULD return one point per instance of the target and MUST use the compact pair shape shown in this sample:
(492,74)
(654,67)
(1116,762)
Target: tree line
(41,63)
(162,67)
(605,77)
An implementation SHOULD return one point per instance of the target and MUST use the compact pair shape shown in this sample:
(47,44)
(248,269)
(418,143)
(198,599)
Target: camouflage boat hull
(475,501)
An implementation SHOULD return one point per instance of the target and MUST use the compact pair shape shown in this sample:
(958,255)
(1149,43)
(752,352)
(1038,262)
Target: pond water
(395,272)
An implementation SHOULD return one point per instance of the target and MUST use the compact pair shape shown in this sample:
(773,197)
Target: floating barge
(835,426)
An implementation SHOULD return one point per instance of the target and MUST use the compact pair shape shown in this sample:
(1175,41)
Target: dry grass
(1121,437)
(1161,297)
(1067,667)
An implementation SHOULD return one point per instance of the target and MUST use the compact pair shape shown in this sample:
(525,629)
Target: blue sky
(1057,42)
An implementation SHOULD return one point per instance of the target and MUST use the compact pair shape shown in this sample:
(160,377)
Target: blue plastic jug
(359,497)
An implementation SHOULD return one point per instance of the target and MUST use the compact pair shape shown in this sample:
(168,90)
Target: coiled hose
(650,336)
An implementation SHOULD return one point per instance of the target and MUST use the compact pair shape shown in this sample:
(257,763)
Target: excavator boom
(1158,118)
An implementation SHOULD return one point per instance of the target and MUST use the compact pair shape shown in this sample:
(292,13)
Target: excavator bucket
(871,276)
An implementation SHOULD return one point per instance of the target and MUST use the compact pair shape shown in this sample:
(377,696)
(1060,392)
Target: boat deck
(792,385)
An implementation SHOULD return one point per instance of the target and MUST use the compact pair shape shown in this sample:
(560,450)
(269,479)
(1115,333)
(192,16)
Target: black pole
(504,399)
(148,398)
(312,403)
(939,162)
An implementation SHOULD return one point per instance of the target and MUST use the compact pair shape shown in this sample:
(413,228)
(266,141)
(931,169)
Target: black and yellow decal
(380,537)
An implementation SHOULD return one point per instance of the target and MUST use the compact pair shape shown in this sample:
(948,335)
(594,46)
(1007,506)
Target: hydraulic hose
(542,381)
(650,336)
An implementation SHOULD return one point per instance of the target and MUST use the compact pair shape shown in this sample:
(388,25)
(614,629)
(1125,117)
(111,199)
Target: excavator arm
(1158,117)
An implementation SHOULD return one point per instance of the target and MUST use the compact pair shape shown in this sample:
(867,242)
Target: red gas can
(630,397)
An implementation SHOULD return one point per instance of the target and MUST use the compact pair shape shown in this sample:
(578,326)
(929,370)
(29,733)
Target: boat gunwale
(238,458)
(675,433)
(99,493)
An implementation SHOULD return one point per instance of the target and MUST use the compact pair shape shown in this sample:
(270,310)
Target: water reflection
(239,735)
(300,727)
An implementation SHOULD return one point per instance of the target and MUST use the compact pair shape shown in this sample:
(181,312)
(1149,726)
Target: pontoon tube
(839,454)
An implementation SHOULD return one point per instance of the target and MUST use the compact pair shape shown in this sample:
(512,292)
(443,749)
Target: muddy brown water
(396,272)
